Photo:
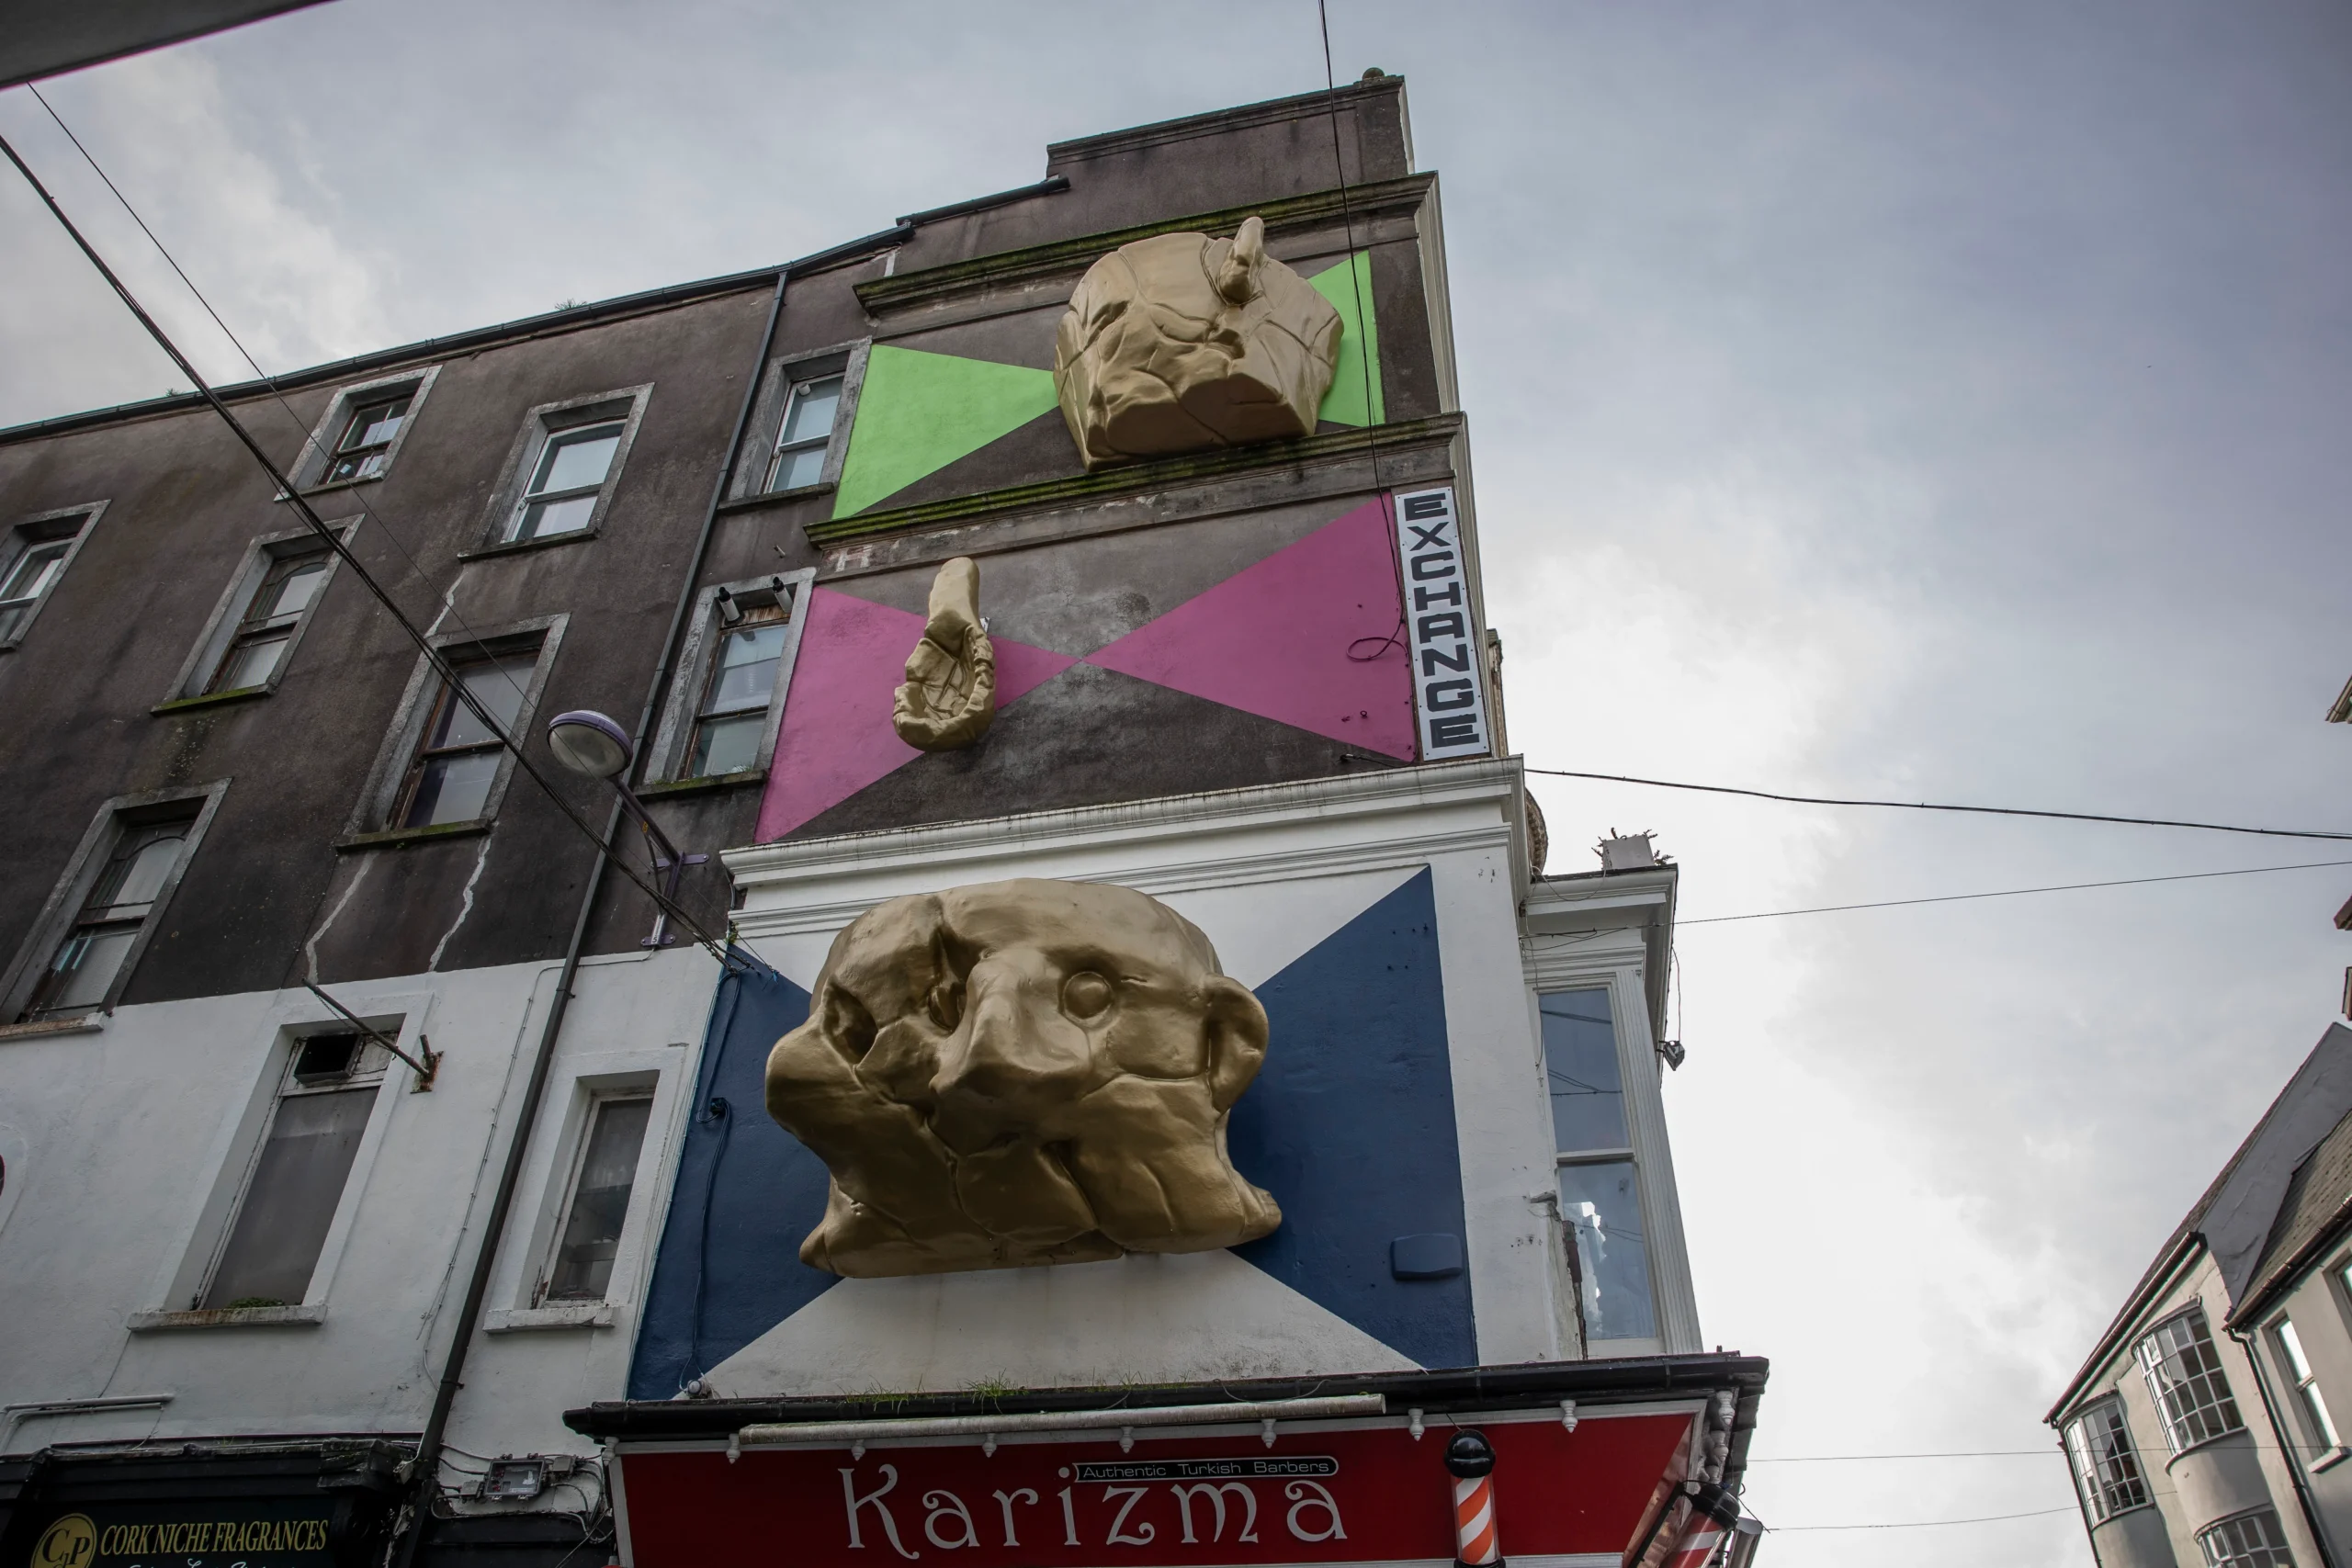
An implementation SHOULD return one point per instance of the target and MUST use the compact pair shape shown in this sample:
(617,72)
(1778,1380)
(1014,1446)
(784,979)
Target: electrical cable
(1925,1524)
(2010,892)
(1930,806)
(334,543)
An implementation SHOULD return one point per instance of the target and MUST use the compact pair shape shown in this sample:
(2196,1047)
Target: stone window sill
(519,546)
(230,1317)
(779,497)
(708,782)
(564,1315)
(88,1023)
(400,838)
(2331,1459)
(212,699)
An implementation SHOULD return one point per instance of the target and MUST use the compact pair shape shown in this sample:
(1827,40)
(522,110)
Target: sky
(1939,402)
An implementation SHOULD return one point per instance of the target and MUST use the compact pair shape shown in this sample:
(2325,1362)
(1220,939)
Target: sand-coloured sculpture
(1020,1073)
(1181,343)
(949,698)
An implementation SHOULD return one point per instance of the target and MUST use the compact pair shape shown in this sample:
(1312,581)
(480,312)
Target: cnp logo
(71,1542)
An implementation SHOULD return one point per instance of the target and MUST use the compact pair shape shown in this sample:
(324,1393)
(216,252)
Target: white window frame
(2278,1545)
(2322,1444)
(318,447)
(529,1257)
(228,614)
(624,405)
(2090,1488)
(237,1147)
(370,820)
(682,711)
(784,374)
(2173,1436)
(1614,959)
(73,524)
(111,822)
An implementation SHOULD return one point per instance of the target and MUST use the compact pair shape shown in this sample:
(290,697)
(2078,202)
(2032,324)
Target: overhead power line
(2009,893)
(433,656)
(1925,1524)
(1931,805)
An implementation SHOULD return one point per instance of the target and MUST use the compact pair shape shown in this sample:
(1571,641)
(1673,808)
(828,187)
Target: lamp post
(588,742)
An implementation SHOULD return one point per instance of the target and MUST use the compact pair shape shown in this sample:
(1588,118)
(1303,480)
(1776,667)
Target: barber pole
(1478,1543)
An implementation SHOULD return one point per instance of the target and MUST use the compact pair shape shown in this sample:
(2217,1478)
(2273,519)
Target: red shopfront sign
(1323,1493)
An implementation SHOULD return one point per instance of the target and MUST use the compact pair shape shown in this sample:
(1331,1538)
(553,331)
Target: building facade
(1137,1034)
(2202,1428)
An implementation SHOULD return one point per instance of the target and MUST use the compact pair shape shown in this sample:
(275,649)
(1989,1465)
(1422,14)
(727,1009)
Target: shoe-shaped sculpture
(1019,1073)
(949,699)
(1180,343)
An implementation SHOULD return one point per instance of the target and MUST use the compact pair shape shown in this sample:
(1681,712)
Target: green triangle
(918,412)
(1349,287)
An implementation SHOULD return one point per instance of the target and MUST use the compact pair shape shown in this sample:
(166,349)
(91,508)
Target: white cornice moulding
(1346,823)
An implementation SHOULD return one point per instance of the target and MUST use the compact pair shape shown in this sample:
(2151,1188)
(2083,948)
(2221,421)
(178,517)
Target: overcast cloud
(1943,401)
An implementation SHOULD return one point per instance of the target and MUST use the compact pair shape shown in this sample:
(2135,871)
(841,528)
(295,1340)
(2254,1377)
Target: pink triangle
(836,736)
(1274,639)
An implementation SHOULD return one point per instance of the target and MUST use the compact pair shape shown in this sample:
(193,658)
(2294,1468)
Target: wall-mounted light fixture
(588,742)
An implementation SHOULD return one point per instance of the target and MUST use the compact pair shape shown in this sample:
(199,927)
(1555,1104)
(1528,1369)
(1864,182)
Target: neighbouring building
(1145,1096)
(2202,1430)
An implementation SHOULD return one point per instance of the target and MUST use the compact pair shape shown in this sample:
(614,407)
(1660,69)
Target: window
(806,432)
(457,760)
(84,972)
(1600,1186)
(298,1178)
(589,1237)
(365,446)
(735,707)
(2249,1541)
(561,496)
(33,555)
(2318,1426)
(726,700)
(262,635)
(363,427)
(2184,1379)
(2106,1469)
(562,468)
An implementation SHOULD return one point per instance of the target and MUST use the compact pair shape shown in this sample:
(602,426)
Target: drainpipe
(2288,1449)
(425,1467)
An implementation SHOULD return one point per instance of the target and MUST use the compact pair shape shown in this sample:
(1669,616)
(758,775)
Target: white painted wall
(126,1145)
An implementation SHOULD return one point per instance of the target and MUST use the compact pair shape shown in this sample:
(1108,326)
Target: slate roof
(2240,1215)
(2313,1215)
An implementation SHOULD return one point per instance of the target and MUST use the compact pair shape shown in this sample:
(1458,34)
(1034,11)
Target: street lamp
(588,742)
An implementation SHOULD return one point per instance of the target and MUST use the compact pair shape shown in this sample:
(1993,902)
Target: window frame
(2155,1396)
(39,531)
(540,427)
(2312,1418)
(682,707)
(221,629)
(2092,1490)
(551,1255)
(319,446)
(1560,955)
(2283,1548)
(237,1146)
(114,820)
(785,373)
(372,820)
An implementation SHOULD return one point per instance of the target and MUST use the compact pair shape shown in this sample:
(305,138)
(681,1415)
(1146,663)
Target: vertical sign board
(1449,685)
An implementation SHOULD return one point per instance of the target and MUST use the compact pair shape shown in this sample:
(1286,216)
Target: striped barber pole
(1698,1548)
(1478,1543)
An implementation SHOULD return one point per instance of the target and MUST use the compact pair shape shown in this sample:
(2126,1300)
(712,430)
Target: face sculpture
(1019,1073)
(1181,343)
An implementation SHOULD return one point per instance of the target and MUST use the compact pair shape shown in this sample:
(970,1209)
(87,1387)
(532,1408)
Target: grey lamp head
(588,742)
